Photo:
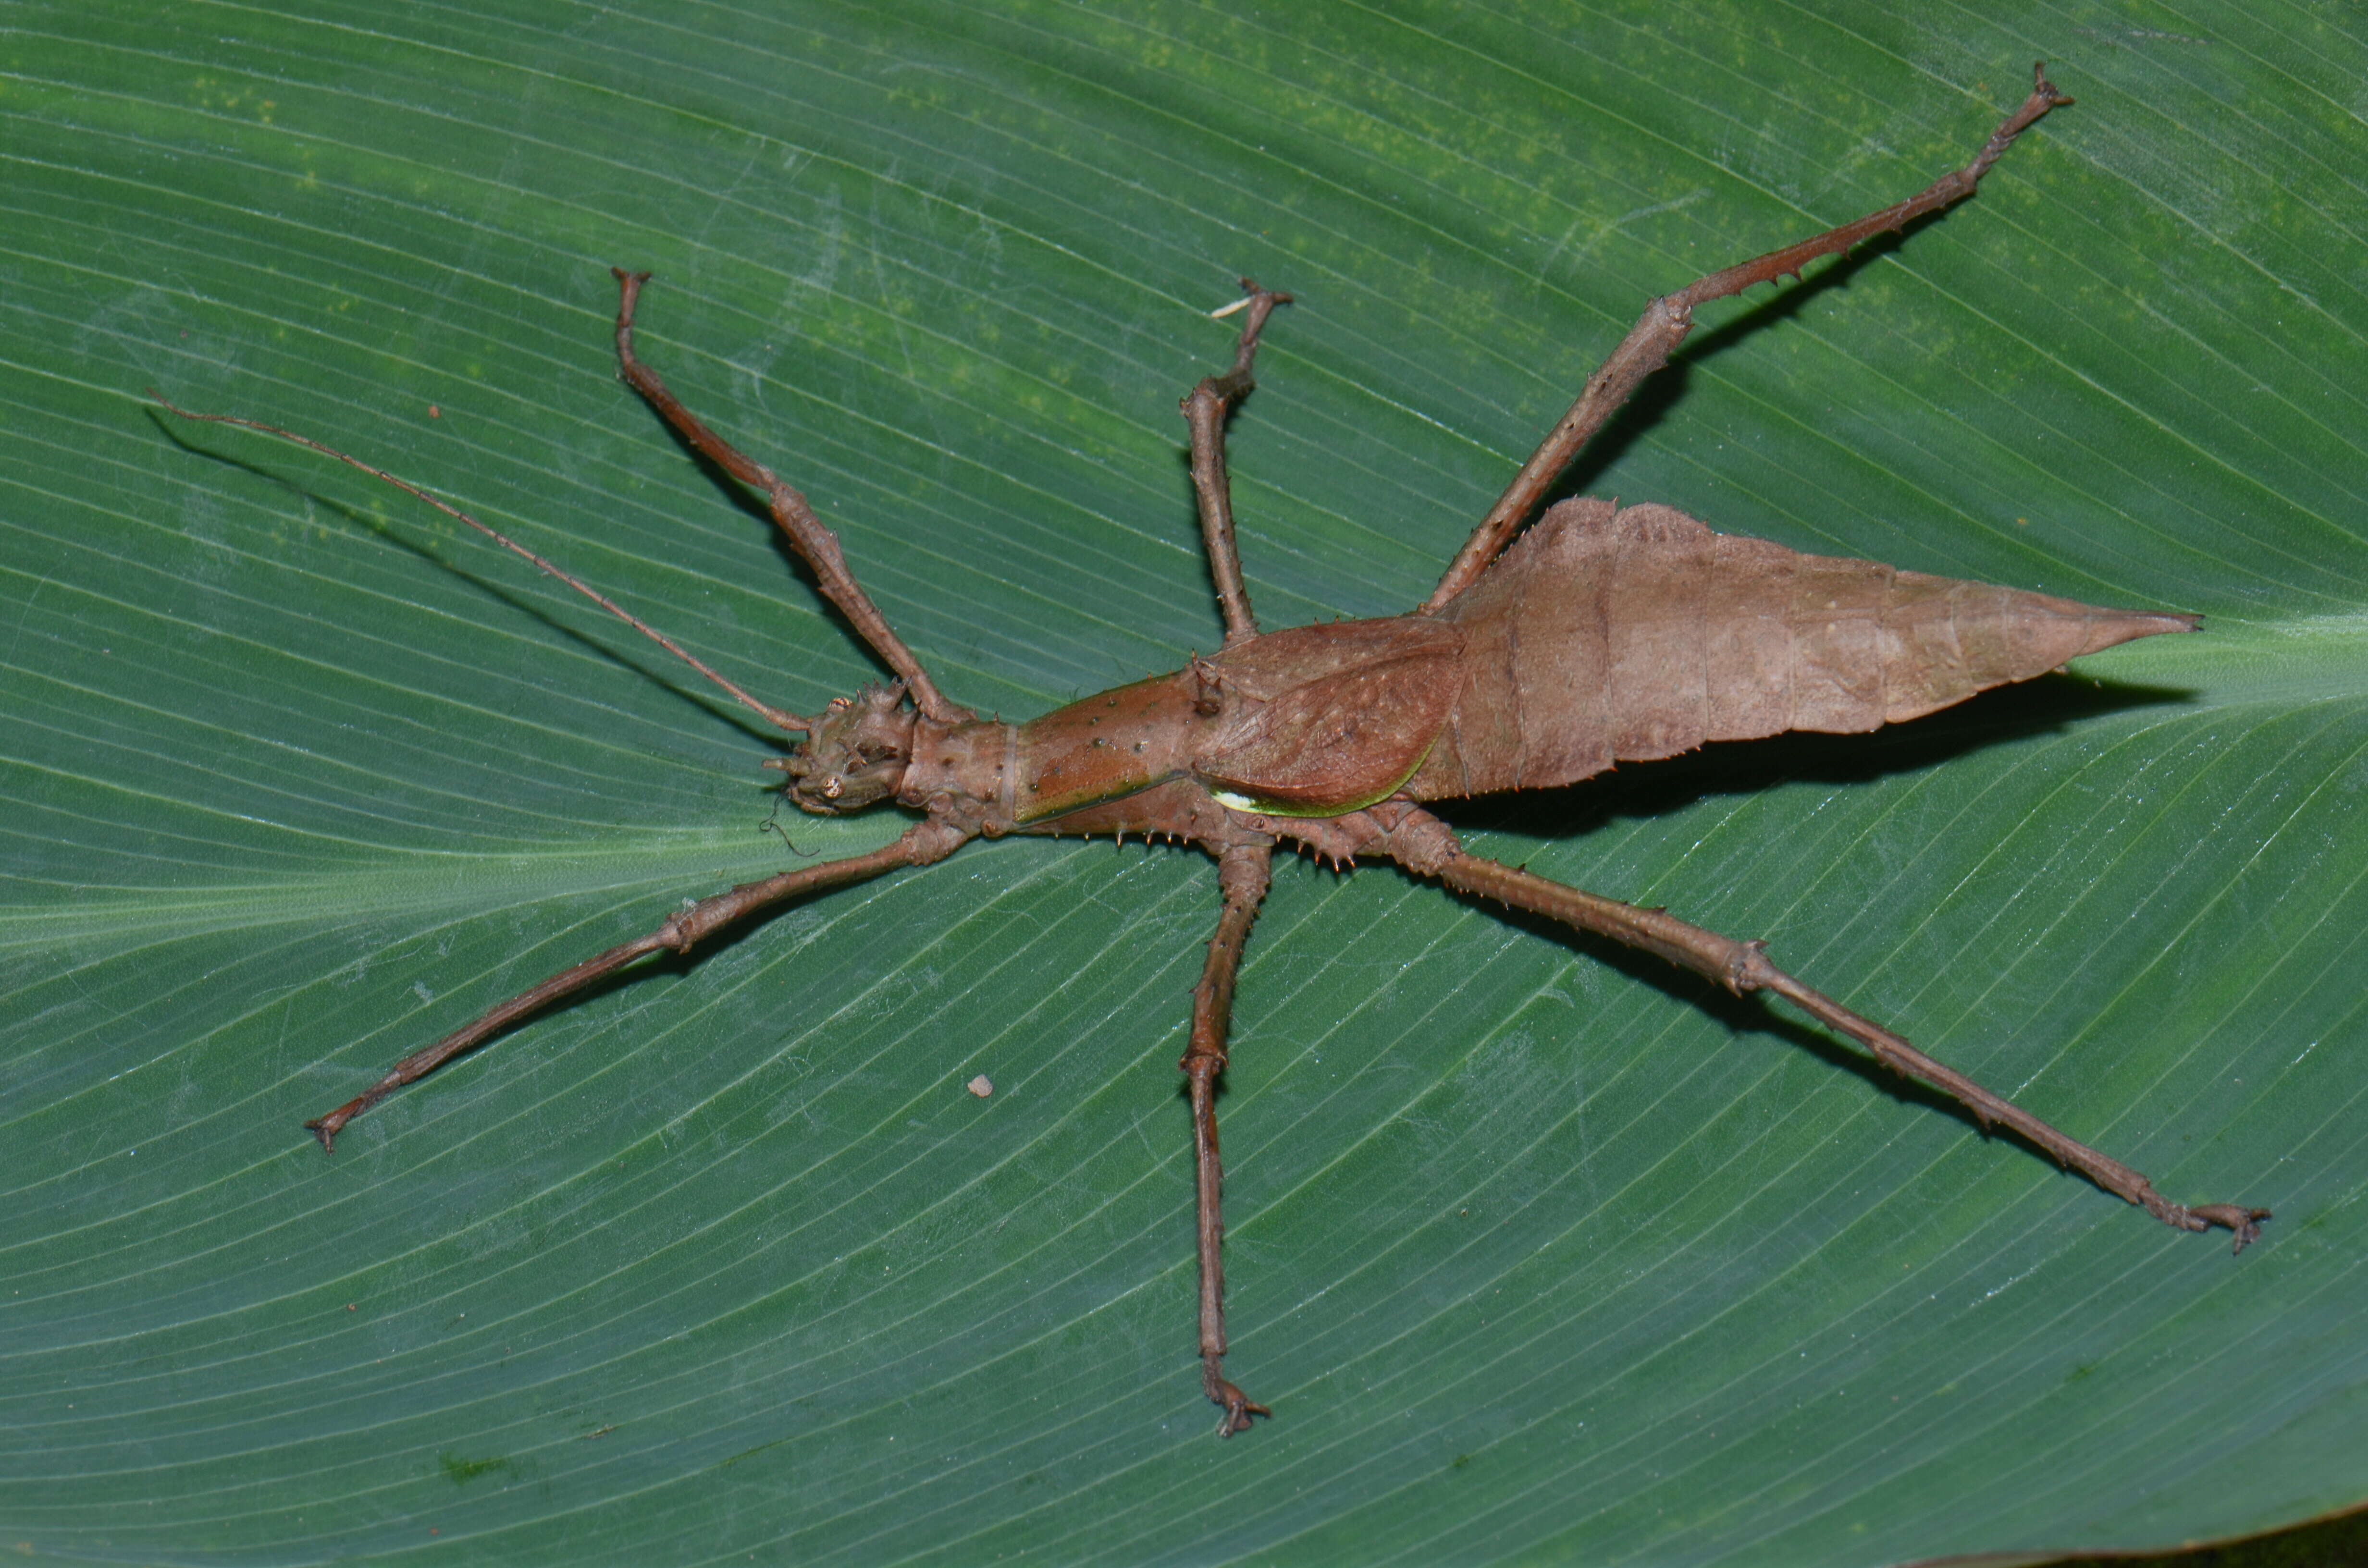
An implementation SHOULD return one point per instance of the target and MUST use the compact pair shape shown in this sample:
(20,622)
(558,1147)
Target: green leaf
(1538,1251)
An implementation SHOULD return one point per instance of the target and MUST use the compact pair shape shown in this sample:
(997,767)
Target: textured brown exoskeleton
(1601,635)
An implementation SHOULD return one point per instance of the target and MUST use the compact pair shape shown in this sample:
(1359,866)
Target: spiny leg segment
(1666,320)
(815,544)
(1242,866)
(1423,844)
(678,933)
(1206,408)
(1242,877)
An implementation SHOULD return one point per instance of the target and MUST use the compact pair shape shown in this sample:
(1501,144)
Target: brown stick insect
(1601,635)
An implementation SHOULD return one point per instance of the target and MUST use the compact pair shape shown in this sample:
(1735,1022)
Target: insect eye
(832,789)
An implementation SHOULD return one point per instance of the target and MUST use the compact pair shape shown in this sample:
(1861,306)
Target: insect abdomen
(1606,635)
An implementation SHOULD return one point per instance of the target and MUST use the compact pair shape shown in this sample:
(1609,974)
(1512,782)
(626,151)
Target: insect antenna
(795,723)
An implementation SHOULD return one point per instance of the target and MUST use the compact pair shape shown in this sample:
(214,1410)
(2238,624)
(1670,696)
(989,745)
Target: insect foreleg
(919,844)
(1206,407)
(1666,320)
(1421,843)
(1242,874)
(816,545)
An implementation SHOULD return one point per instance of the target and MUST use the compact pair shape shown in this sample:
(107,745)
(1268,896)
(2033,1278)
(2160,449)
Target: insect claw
(1238,1420)
(2245,1222)
(1239,1410)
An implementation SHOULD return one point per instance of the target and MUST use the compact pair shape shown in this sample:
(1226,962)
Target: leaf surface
(1539,1251)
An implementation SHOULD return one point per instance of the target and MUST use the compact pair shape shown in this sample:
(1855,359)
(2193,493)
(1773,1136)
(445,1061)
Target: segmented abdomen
(1605,635)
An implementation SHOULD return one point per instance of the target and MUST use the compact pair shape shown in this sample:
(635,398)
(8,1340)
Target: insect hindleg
(1206,407)
(1421,843)
(816,545)
(919,844)
(1242,874)
(1666,320)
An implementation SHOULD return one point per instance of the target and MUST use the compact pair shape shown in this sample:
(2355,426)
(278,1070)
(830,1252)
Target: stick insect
(1599,635)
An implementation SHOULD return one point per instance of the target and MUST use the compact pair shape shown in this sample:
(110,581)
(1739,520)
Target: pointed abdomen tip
(2110,628)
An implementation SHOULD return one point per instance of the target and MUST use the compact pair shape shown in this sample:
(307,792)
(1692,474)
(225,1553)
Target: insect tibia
(854,754)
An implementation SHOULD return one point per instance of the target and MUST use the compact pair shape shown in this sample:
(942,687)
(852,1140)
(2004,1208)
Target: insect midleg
(1206,408)
(1743,967)
(816,545)
(1666,320)
(919,844)
(1242,874)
